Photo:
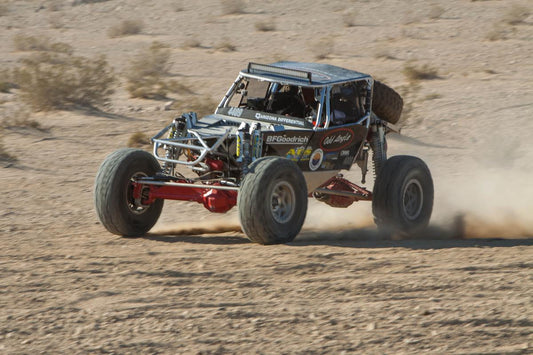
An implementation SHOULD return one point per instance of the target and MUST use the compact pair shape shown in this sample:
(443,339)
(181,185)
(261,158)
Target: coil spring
(171,151)
(379,149)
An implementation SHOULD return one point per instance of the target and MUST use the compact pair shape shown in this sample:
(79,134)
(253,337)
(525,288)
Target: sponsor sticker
(344,153)
(331,156)
(337,139)
(328,165)
(279,119)
(261,116)
(284,139)
(299,153)
(347,161)
(235,111)
(316,159)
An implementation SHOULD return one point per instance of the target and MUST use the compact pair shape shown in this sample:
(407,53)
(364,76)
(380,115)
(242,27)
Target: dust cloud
(487,203)
(209,226)
(484,190)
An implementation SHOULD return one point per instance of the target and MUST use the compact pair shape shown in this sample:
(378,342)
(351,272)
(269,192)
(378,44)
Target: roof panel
(321,74)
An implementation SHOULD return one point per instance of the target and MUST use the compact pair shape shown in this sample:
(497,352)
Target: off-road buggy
(282,133)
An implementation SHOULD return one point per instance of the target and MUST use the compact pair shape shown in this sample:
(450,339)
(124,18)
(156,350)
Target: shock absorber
(379,147)
(256,143)
(243,148)
(177,130)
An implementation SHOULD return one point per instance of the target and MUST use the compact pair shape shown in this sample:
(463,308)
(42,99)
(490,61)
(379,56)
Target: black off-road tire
(402,199)
(112,193)
(387,104)
(272,201)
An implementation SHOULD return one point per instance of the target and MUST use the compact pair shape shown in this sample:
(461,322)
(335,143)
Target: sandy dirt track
(66,285)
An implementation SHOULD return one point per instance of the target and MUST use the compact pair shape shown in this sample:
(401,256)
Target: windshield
(276,98)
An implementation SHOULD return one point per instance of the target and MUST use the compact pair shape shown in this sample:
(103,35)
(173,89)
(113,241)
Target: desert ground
(195,284)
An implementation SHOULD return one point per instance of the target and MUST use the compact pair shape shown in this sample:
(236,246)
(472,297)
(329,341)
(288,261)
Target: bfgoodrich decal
(337,139)
(284,139)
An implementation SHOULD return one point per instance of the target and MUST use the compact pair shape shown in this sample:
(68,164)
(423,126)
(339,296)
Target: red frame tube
(219,201)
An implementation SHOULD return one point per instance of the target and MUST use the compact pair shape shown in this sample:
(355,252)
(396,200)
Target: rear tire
(117,210)
(387,104)
(402,199)
(272,201)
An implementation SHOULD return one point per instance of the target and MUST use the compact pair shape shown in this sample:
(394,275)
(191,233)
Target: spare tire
(387,104)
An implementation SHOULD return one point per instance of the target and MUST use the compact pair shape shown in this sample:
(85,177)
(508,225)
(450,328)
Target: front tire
(402,199)
(272,201)
(116,208)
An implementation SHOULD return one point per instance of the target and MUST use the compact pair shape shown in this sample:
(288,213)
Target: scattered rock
(168,106)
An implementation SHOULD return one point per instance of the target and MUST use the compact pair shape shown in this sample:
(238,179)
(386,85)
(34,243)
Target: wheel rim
(135,205)
(282,202)
(413,197)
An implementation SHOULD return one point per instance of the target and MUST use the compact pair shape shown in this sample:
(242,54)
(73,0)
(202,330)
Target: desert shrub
(322,48)
(4,10)
(20,118)
(202,107)
(505,27)
(126,28)
(516,15)
(499,32)
(81,2)
(54,5)
(436,12)
(147,71)
(433,96)
(5,86)
(265,26)
(4,155)
(191,43)
(410,17)
(50,80)
(6,83)
(24,123)
(226,46)
(424,72)
(153,60)
(15,118)
(178,6)
(383,52)
(231,7)
(151,87)
(40,44)
(55,20)
(138,140)
(349,18)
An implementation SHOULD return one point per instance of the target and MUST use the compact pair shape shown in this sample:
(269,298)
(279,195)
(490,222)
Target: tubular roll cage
(291,76)
(254,71)
(184,142)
